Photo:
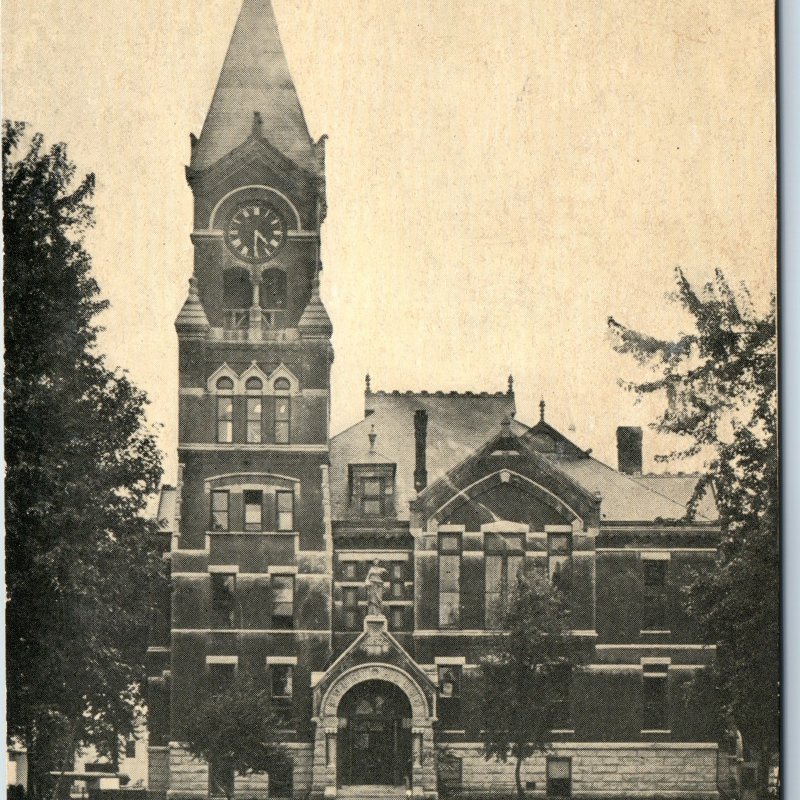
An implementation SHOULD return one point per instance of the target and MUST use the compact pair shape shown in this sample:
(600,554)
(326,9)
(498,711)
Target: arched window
(254,386)
(237,293)
(225,410)
(273,288)
(282,411)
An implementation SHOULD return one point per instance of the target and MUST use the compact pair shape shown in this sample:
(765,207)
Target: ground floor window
(559,777)
(220,778)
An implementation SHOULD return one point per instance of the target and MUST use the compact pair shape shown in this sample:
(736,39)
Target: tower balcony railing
(251,323)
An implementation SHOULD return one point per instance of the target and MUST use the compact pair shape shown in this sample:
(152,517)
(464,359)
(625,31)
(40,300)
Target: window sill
(252,533)
(654,631)
(562,730)
(655,731)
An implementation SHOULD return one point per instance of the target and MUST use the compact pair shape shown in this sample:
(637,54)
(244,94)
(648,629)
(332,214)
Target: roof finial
(372,437)
(258,123)
(193,296)
(511,384)
(541,410)
(368,382)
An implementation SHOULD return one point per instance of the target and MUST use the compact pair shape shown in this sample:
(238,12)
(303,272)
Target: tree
(719,384)
(235,729)
(80,465)
(525,677)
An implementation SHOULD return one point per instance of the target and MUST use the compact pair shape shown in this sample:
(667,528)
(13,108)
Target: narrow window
(504,560)
(219,510)
(284,503)
(449,705)
(559,559)
(220,778)
(449,681)
(398,618)
(224,411)
(282,411)
(350,571)
(223,600)
(130,748)
(559,777)
(655,595)
(254,411)
(283,602)
(273,288)
(654,697)
(350,603)
(561,715)
(281,681)
(449,581)
(398,589)
(253,510)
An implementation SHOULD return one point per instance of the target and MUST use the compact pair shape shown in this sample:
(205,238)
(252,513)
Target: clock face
(255,232)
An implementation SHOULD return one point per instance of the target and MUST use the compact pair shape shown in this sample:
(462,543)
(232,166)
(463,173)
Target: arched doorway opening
(374,742)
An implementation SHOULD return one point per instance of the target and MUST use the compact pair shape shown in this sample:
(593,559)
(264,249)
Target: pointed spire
(541,410)
(192,320)
(255,96)
(315,322)
(368,384)
(510,384)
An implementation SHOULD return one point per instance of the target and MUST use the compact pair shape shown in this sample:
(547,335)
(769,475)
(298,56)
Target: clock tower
(251,546)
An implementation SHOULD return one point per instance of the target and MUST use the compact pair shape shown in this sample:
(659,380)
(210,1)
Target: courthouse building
(275,526)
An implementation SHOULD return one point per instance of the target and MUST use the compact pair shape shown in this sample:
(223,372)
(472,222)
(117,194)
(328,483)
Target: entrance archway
(374,741)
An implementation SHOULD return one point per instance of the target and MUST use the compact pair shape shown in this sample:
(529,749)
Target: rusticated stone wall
(601,770)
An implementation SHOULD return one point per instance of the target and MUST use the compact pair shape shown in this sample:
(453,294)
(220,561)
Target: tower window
(283,602)
(273,289)
(284,503)
(282,411)
(253,510)
(254,420)
(237,292)
(220,502)
(225,420)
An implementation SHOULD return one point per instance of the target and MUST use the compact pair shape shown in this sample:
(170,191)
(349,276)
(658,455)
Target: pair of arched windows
(254,411)
(238,289)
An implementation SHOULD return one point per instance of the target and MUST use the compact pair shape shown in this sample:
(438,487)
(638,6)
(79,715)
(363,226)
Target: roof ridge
(436,393)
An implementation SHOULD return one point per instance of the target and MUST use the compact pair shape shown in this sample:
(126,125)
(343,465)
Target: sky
(502,175)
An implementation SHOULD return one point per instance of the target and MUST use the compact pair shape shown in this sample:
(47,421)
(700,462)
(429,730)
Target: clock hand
(256,236)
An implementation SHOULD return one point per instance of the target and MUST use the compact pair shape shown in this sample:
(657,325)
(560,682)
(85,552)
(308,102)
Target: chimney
(629,450)
(420,442)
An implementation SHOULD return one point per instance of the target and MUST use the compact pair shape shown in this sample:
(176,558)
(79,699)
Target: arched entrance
(374,741)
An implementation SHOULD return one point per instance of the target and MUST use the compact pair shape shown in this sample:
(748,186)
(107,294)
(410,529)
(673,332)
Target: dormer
(372,485)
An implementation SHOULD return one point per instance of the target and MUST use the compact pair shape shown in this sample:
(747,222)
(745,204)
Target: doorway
(374,742)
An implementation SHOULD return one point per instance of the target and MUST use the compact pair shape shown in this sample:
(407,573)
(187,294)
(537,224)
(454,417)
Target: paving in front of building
(360,575)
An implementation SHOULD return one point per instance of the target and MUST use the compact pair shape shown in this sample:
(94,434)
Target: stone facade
(623,770)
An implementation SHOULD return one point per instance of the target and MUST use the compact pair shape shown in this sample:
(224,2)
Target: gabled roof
(458,424)
(255,78)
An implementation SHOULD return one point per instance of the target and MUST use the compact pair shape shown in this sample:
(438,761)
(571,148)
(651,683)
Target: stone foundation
(158,771)
(600,770)
(188,777)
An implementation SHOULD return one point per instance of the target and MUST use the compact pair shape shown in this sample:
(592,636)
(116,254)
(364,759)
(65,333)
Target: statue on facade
(375,579)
